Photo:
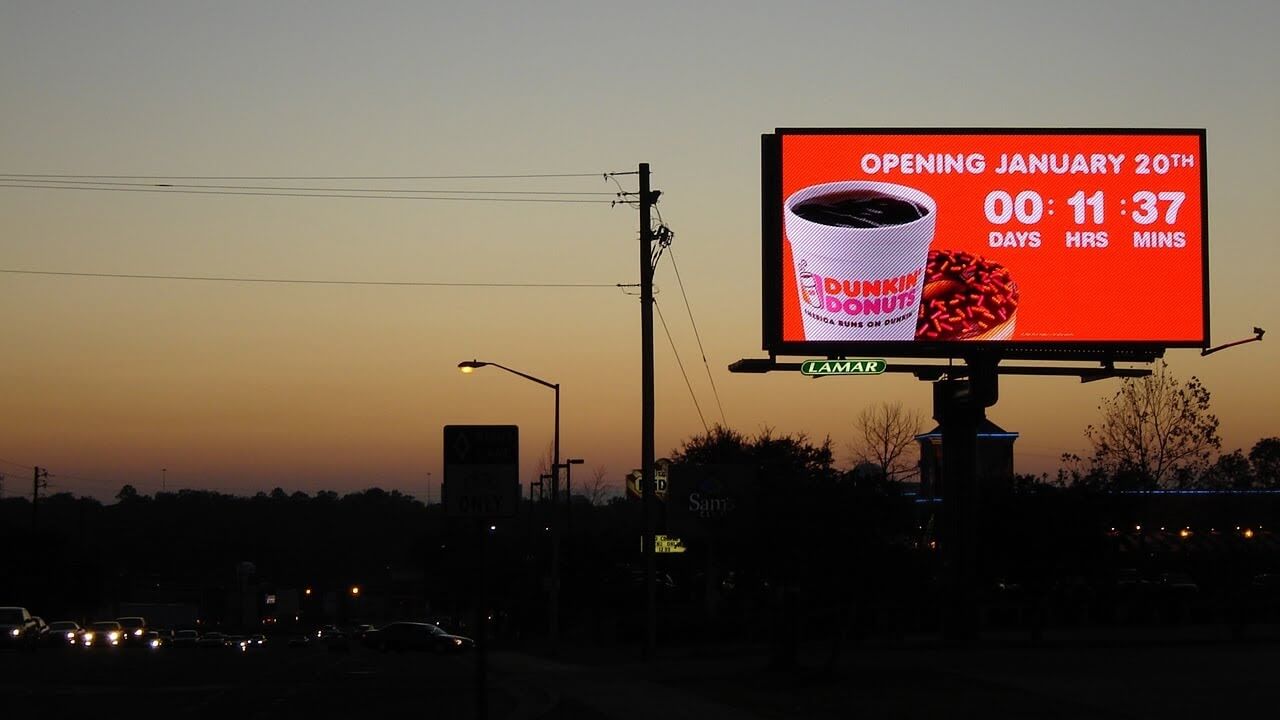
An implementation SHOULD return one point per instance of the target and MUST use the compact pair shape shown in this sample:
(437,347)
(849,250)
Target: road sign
(481,470)
(865,366)
(634,481)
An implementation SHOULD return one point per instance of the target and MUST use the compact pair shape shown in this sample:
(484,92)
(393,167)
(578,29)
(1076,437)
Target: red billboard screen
(912,241)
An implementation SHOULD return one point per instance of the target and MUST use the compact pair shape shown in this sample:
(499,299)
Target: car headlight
(15,632)
(155,643)
(113,636)
(137,633)
(457,642)
(88,636)
(71,636)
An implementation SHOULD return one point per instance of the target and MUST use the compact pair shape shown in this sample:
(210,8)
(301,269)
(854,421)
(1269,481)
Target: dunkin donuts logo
(860,296)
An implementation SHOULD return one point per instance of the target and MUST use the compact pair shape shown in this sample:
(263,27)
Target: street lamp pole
(568,491)
(553,610)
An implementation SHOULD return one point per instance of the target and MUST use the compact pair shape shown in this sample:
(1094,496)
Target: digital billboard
(916,242)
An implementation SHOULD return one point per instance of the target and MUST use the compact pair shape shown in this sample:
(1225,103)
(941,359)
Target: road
(274,681)
(1156,673)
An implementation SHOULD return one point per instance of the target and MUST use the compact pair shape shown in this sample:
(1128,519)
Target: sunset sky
(244,387)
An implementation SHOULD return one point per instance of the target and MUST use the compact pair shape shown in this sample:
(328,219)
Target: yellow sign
(665,544)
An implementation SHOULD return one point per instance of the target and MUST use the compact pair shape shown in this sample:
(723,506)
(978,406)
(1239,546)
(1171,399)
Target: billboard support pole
(646,413)
(960,406)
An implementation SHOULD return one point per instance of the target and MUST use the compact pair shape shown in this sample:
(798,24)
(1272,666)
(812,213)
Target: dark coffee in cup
(860,209)
(858,250)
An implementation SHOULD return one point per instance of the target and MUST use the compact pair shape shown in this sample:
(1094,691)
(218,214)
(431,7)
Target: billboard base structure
(961,396)
(930,372)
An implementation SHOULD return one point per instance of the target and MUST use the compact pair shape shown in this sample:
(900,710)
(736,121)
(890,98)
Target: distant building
(995,458)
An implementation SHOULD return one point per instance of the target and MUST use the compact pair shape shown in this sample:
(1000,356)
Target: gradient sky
(247,387)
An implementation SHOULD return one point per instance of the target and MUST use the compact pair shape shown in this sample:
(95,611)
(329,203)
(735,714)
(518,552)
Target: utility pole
(38,481)
(646,413)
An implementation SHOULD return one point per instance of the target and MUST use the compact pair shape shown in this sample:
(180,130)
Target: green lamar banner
(842,367)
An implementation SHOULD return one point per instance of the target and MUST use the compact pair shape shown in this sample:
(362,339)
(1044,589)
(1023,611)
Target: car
(63,633)
(154,640)
(103,634)
(18,629)
(135,629)
(212,640)
(335,639)
(185,639)
(401,636)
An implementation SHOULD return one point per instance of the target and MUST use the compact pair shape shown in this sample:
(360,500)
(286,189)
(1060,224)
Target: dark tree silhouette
(1265,459)
(1229,472)
(1155,430)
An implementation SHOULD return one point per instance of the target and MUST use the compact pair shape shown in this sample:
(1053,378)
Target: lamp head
(469,366)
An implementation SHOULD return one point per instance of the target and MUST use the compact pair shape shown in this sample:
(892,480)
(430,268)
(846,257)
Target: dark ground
(1153,672)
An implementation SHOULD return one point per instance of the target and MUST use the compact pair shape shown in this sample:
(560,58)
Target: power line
(10,462)
(705,364)
(521,176)
(370,196)
(300,281)
(55,184)
(681,365)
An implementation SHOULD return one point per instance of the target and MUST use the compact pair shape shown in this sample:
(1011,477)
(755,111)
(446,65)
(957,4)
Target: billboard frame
(771,284)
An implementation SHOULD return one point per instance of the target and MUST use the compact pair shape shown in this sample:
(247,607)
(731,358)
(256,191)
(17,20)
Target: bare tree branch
(597,490)
(885,436)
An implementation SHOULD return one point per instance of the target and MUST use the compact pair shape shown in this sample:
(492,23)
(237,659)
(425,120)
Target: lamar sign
(816,368)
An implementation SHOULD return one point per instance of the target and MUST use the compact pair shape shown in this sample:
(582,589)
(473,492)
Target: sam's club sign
(862,366)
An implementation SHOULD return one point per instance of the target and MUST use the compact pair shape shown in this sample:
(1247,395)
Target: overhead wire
(16,464)
(53,184)
(666,240)
(680,363)
(517,176)
(371,195)
(696,335)
(623,194)
(163,184)
(304,281)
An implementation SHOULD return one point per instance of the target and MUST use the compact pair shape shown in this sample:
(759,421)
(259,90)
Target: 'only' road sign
(481,470)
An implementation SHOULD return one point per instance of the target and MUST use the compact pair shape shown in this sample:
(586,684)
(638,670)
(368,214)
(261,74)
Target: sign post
(481,482)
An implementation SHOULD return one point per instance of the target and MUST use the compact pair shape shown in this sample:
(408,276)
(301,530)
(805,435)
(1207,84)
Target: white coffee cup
(859,283)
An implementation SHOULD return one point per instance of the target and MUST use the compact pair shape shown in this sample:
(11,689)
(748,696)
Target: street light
(553,621)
